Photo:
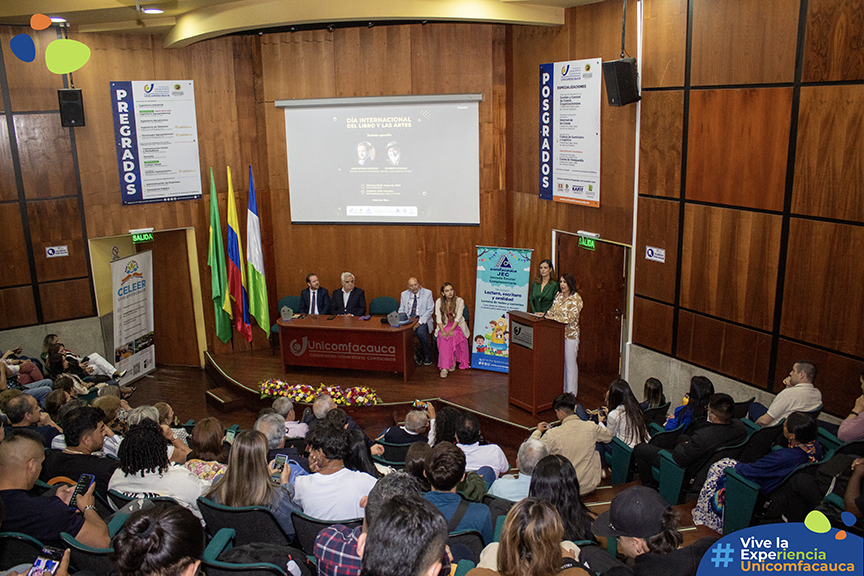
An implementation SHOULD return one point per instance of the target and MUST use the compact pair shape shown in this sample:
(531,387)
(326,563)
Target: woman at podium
(565,309)
(543,289)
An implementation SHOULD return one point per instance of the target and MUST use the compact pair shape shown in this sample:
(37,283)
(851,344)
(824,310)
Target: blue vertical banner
(547,129)
(503,277)
(126,139)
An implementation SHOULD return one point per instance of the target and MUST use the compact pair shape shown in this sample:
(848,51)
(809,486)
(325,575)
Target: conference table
(347,342)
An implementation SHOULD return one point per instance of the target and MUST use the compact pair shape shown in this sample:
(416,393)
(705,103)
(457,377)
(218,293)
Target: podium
(536,361)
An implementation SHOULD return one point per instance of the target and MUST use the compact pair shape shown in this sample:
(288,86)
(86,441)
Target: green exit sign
(587,243)
(146,237)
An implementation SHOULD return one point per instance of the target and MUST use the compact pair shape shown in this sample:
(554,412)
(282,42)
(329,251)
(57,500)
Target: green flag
(216,261)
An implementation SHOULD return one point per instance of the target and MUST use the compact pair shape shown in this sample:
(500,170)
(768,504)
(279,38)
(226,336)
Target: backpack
(291,560)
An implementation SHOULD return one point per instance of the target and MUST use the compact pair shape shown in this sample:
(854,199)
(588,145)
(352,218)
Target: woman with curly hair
(145,470)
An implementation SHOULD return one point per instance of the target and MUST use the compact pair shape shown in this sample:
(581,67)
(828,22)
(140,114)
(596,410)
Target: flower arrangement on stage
(305,394)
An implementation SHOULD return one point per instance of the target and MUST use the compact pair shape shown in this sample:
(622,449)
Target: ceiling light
(57,19)
(153,11)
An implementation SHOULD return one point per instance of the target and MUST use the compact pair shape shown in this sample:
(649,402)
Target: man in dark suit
(348,300)
(314,299)
(720,430)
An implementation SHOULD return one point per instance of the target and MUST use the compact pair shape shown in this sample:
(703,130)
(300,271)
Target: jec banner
(132,281)
(503,277)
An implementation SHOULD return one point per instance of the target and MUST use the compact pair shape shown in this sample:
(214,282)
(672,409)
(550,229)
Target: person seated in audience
(111,406)
(531,545)
(145,468)
(168,418)
(695,408)
(623,416)
(852,428)
(574,439)
(67,384)
(38,390)
(555,481)
(332,491)
(84,433)
(54,401)
(360,458)
(447,421)
(23,412)
(123,412)
(348,300)
(247,482)
(5,397)
(720,430)
(293,427)
(768,472)
(59,366)
(159,541)
(419,424)
(24,371)
(320,407)
(415,463)
(480,458)
(43,518)
(445,468)
(515,488)
(273,428)
(647,531)
(408,539)
(92,363)
(853,500)
(59,441)
(799,395)
(336,546)
(24,569)
(208,457)
(177,450)
(653,394)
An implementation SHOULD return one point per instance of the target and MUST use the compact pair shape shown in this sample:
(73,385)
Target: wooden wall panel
(729,264)
(744,42)
(17,307)
(837,377)
(822,301)
(8,188)
(660,143)
(652,325)
(657,227)
(13,248)
(738,352)
(34,87)
(832,49)
(664,43)
(371,61)
(738,145)
(298,65)
(57,223)
(45,150)
(66,300)
(829,157)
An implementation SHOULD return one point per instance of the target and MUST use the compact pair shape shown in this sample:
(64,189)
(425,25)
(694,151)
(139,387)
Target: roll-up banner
(503,277)
(132,281)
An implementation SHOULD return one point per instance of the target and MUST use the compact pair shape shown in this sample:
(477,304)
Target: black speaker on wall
(71,107)
(622,87)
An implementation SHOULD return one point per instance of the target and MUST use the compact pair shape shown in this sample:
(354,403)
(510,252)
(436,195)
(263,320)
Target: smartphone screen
(229,435)
(47,562)
(278,466)
(84,482)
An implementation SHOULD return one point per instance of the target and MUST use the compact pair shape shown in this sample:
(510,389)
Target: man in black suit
(349,300)
(314,299)
(720,430)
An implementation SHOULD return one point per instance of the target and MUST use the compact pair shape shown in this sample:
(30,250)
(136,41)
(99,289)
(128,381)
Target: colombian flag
(237,293)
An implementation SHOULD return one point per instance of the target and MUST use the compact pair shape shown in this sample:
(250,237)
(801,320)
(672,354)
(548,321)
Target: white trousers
(101,367)
(571,369)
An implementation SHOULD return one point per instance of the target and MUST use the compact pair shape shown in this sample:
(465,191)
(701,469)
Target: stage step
(225,399)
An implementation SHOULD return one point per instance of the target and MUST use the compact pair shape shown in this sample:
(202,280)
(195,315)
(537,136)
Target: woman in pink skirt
(451,331)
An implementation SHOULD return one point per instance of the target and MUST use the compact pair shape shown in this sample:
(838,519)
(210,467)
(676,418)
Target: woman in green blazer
(543,289)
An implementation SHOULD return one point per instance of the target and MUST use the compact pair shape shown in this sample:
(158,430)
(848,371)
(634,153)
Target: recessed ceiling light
(153,11)
(57,19)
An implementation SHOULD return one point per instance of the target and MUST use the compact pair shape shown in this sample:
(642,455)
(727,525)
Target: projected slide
(386,163)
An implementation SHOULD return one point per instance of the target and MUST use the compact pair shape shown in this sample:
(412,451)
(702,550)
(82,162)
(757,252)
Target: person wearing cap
(417,302)
(647,531)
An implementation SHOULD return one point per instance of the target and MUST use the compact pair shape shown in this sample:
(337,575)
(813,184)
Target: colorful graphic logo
(148,88)
(131,271)
(62,56)
(565,69)
(503,262)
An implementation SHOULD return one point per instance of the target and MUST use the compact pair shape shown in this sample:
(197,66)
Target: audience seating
(498,507)
(17,548)
(499,527)
(828,440)
(759,442)
(471,539)
(383,305)
(307,529)
(620,460)
(394,452)
(118,500)
(656,415)
(224,541)
(84,557)
(249,523)
(741,409)
(463,567)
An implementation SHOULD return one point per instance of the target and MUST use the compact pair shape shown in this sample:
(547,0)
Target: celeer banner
(503,276)
(132,282)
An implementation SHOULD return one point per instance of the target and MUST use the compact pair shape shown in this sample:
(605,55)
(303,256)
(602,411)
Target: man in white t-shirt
(800,395)
(332,491)
(480,458)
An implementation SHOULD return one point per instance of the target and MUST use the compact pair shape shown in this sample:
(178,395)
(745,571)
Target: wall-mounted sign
(655,254)
(587,243)
(56,251)
(143,237)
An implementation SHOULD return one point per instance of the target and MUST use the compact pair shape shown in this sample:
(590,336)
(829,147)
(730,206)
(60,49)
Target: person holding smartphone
(21,457)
